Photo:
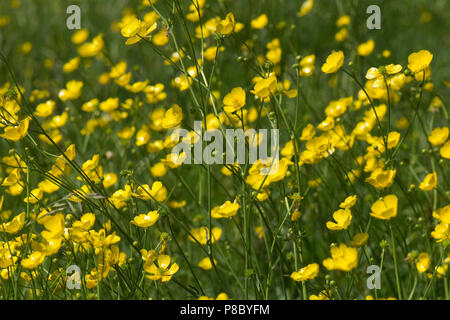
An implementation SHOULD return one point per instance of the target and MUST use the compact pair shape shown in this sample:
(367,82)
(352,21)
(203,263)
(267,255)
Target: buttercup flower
(234,100)
(429,182)
(334,62)
(159,269)
(423,262)
(342,218)
(385,208)
(342,258)
(419,61)
(146,220)
(359,240)
(307,273)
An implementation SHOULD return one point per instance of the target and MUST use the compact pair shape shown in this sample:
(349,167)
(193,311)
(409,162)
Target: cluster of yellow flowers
(88,176)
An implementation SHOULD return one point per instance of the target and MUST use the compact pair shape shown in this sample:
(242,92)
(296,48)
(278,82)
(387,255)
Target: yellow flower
(15,225)
(34,196)
(234,100)
(323,295)
(118,69)
(443,214)
(174,160)
(54,225)
(45,109)
(296,215)
(259,231)
(226,210)
(385,208)
(202,234)
(172,117)
(16,133)
(71,65)
(161,270)
(359,239)
(305,8)
(226,26)
(393,68)
(264,87)
(135,29)
(131,28)
(366,48)
(334,62)
(109,104)
(119,198)
(220,296)
(137,87)
(259,22)
(381,179)
(13,178)
(143,136)
(341,35)
(429,182)
(146,220)
(91,49)
(342,258)
(423,262)
(306,273)
(89,106)
(80,36)
(343,21)
(158,170)
(206,264)
(393,139)
(157,192)
(343,217)
(86,222)
(445,150)
(72,90)
(348,202)
(419,61)
(441,232)
(438,136)
(308,132)
(33,260)
(109,180)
